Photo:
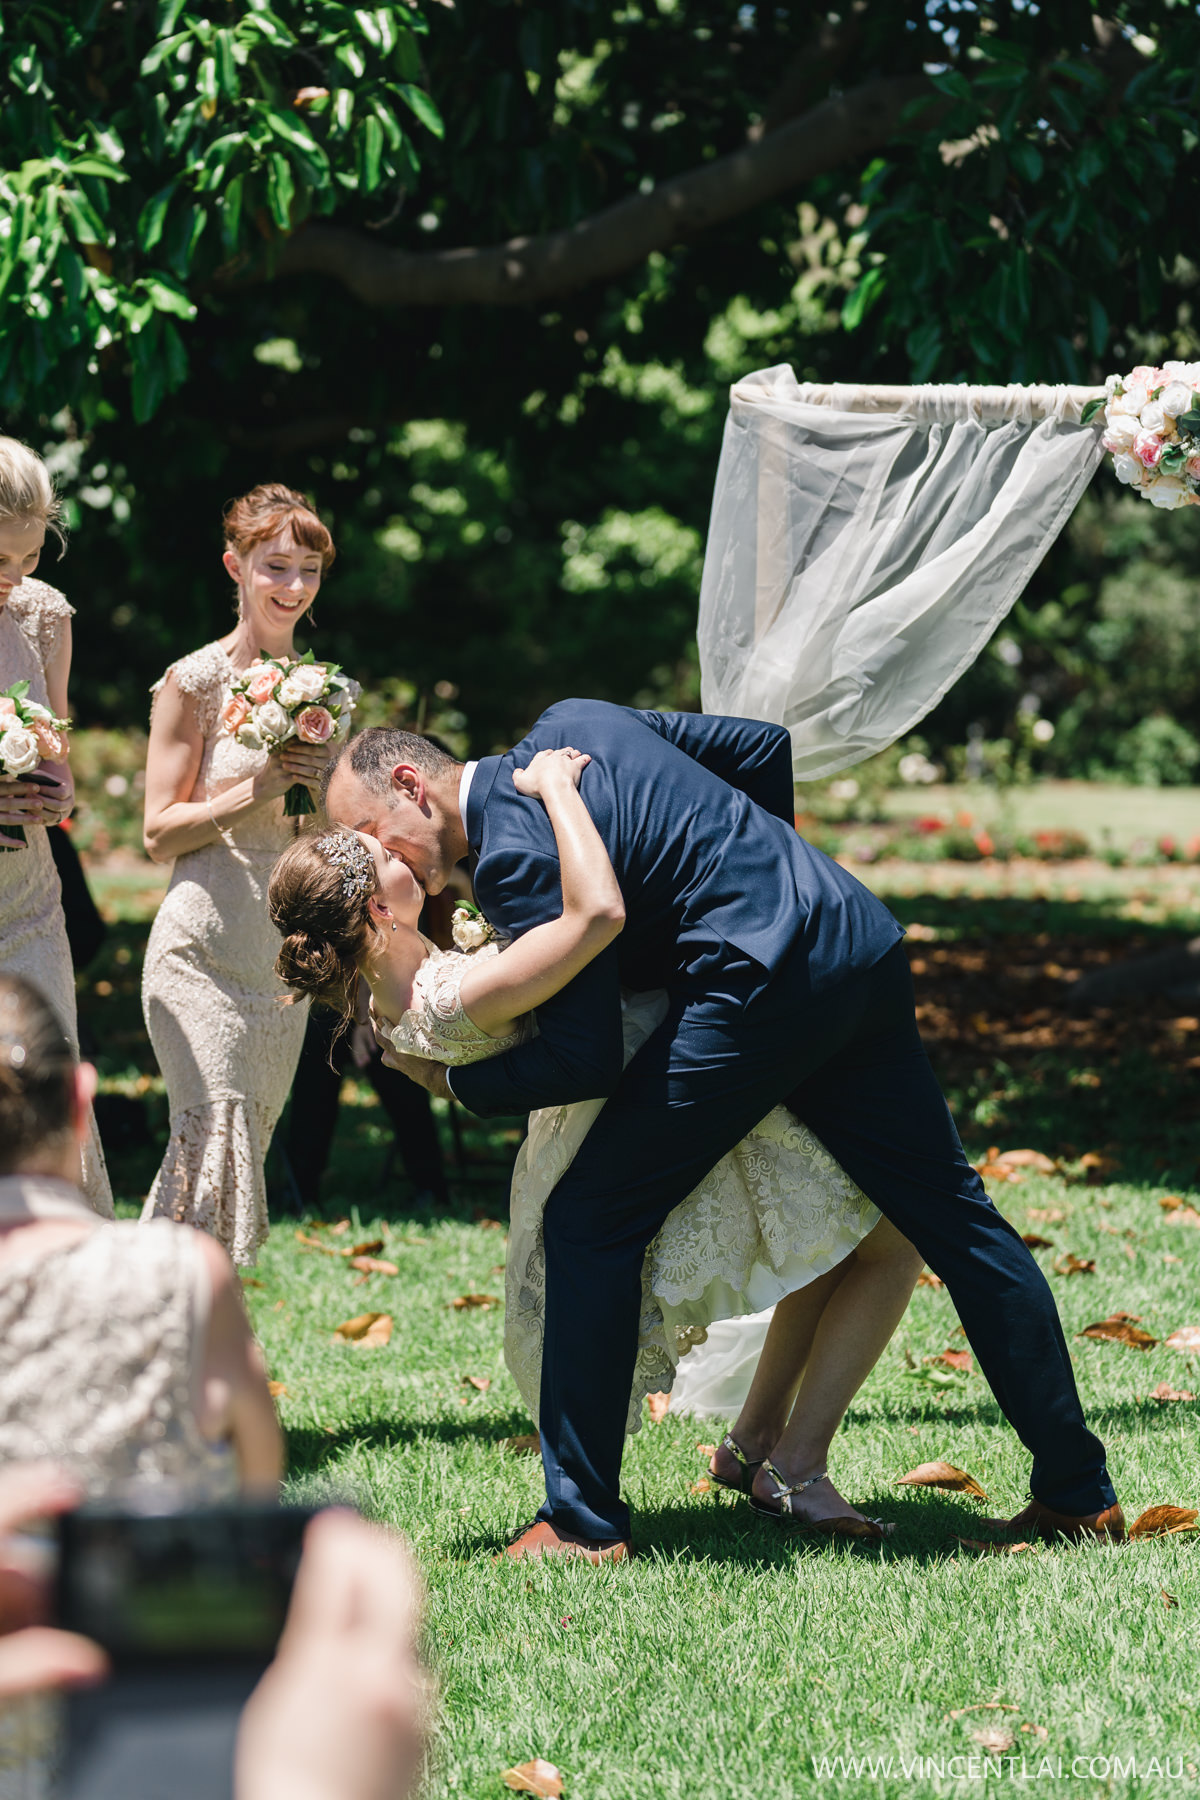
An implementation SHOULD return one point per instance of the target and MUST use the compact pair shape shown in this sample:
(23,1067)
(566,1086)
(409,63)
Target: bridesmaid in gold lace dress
(225,1041)
(35,646)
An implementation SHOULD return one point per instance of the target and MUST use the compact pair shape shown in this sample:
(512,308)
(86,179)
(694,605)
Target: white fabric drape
(859,560)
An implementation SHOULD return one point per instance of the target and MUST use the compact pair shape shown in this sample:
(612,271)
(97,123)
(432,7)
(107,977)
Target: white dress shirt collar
(464,789)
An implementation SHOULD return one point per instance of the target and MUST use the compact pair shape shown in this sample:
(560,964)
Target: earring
(393,924)
(312,623)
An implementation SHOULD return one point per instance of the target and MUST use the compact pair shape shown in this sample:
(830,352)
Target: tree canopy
(478,275)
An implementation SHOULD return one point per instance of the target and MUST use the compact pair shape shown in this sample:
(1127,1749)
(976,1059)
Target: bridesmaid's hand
(298,762)
(306,763)
(21,803)
(57,802)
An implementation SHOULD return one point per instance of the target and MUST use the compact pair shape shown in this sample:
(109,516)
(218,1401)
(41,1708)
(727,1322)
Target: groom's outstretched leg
(636,1164)
(878,1108)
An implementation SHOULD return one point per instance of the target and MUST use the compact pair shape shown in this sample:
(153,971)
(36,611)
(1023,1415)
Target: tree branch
(526,270)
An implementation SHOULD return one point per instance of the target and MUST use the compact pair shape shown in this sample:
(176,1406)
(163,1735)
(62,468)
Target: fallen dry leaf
(1186,1338)
(372,1265)
(276,1388)
(1168,1600)
(367,1248)
(1046,1215)
(529,1445)
(1070,1264)
(942,1475)
(994,1740)
(1032,1241)
(252,1281)
(988,1548)
(1164,1521)
(337,1228)
(707,1449)
(659,1405)
(1038,1731)
(1164,1391)
(1184,1215)
(466,1301)
(700,1487)
(1120,1328)
(1098,1166)
(368,1330)
(927,1278)
(536,1777)
(481,1383)
(312,1243)
(1172,1259)
(1169,1202)
(485,1221)
(952,1359)
(1028,1159)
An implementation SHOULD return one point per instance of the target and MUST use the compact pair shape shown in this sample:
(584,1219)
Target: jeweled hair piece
(349,854)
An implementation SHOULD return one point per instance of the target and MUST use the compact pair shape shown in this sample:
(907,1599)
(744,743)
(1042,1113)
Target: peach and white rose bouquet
(1152,431)
(278,699)
(29,734)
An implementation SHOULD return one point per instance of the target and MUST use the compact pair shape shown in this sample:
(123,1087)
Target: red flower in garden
(929,825)
(983,843)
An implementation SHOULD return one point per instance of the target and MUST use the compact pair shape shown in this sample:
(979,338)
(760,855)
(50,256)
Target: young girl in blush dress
(225,1042)
(35,646)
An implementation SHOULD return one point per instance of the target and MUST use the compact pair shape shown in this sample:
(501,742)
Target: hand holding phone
(342,1712)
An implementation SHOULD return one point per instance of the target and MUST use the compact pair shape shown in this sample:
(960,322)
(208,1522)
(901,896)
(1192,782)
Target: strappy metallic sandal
(746,1467)
(870,1530)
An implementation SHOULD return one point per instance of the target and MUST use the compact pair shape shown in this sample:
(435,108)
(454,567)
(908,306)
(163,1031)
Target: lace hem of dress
(772,1215)
(212,1177)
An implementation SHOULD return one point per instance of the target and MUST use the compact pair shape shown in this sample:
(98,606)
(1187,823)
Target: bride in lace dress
(35,646)
(225,1040)
(776,1221)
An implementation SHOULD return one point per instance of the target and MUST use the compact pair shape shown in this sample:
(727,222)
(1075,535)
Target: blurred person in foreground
(340,1714)
(126,1357)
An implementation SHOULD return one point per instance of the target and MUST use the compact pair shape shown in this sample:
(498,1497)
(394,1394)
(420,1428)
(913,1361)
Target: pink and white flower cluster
(275,700)
(29,732)
(1152,430)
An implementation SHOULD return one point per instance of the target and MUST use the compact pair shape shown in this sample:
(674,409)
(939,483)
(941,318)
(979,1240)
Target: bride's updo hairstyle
(271,509)
(27,493)
(36,1079)
(317,898)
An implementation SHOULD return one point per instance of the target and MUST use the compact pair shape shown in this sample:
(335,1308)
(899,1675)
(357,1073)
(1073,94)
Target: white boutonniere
(469,929)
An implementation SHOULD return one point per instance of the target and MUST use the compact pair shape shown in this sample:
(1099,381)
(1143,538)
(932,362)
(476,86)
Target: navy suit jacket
(696,812)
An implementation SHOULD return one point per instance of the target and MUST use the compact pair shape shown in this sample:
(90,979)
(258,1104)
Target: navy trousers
(851,1065)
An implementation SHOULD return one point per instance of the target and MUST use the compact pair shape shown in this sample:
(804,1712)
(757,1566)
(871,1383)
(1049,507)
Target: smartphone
(189,1606)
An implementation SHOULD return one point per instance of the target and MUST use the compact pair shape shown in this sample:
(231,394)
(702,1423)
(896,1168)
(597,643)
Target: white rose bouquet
(280,698)
(29,734)
(1152,431)
(469,929)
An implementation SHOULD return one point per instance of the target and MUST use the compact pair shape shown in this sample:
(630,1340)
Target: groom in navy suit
(787,983)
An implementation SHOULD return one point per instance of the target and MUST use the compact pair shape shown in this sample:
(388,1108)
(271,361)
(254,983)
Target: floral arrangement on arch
(1152,431)
(280,698)
(29,734)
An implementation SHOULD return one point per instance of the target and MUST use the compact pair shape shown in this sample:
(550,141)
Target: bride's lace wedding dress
(773,1215)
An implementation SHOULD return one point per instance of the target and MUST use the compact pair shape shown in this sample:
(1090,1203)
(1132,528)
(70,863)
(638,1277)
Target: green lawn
(728,1657)
(1097,809)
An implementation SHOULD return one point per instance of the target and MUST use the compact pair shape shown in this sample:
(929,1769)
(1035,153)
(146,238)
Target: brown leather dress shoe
(1038,1521)
(543,1539)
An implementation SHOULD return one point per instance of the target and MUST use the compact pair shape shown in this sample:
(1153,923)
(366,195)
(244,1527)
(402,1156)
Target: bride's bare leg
(850,1335)
(785,1351)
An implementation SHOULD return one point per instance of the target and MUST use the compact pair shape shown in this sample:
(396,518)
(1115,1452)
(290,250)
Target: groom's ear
(409,784)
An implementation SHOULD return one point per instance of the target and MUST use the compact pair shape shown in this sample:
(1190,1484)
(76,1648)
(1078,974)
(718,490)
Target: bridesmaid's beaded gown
(33,932)
(226,1040)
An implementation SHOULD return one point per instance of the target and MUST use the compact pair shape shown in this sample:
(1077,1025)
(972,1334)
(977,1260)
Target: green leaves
(1094,409)
(166,121)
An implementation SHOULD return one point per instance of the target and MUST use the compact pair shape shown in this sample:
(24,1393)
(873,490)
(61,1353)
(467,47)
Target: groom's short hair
(374,753)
